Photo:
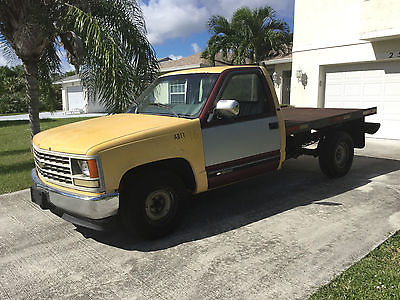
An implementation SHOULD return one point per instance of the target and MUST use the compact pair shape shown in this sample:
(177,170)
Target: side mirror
(227,108)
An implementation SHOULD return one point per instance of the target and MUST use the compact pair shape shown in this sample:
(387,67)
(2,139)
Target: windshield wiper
(164,106)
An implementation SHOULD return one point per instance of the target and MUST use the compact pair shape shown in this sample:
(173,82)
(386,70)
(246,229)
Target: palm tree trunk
(32,89)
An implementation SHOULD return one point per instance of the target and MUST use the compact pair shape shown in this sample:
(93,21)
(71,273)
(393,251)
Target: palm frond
(120,62)
(251,35)
(7,51)
(49,62)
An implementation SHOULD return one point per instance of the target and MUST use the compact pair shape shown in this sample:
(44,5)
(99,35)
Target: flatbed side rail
(299,120)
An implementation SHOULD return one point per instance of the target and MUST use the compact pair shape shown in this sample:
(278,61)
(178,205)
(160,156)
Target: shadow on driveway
(300,183)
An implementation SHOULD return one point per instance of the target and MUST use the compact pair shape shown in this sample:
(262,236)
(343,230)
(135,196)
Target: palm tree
(104,39)
(250,36)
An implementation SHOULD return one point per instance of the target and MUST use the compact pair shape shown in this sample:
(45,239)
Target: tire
(151,204)
(336,153)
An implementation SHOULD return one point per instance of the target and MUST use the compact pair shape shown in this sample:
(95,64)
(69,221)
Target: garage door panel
(368,85)
(75,98)
(352,104)
(335,77)
(392,89)
(386,130)
(335,90)
(353,90)
(373,89)
(391,110)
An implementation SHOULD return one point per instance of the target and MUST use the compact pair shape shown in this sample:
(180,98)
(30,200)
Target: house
(280,69)
(75,98)
(190,62)
(346,53)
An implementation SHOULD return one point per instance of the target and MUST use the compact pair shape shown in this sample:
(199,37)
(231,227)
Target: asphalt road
(279,236)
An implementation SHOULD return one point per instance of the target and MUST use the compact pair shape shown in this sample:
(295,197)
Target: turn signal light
(94,172)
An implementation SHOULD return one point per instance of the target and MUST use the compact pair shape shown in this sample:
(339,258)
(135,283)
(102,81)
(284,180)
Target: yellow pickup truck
(189,132)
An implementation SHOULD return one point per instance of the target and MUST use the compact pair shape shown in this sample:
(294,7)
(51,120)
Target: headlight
(84,167)
(87,168)
(85,173)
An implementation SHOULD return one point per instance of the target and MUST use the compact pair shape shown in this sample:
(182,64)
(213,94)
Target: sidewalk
(51,115)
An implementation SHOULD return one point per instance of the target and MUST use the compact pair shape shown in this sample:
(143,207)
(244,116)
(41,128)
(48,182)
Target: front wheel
(336,152)
(152,205)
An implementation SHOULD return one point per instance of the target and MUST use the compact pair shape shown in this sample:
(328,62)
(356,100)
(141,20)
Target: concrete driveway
(279,236)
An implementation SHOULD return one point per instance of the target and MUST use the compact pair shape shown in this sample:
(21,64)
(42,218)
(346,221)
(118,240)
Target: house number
(393,54)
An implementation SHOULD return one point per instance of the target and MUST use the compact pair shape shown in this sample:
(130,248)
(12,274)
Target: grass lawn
(16,160)
(13,114)
(376,276)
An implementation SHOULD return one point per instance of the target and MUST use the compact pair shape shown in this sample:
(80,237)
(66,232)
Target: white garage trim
(366,85)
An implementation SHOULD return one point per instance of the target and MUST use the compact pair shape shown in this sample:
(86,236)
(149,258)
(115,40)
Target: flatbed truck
(189,132)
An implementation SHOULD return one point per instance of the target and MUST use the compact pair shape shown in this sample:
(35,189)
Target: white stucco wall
(379,18)
(94,106)
(327,33)
(279,69)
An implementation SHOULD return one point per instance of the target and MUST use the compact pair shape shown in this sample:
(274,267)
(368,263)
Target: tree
(104,39)
(12,90)
(251,36)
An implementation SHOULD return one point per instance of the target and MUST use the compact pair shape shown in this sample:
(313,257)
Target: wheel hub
(341,155)
(158,204)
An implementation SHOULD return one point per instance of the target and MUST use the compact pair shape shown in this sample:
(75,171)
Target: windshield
(176,95)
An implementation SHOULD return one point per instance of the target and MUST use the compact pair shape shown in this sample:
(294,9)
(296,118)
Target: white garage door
(367,85)
(76,101)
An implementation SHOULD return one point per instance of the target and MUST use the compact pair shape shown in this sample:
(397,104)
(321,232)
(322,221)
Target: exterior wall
(94,106)
(373,24)
(279,69)
(90,107)
(319,24)
(329,33)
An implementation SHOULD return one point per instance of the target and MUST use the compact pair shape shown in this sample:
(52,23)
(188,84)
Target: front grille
(53,167)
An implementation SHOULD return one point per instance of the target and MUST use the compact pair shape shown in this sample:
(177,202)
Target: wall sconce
(276,78)
(302,77)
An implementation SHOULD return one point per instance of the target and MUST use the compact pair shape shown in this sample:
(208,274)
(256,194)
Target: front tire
(336,153)
(152,205)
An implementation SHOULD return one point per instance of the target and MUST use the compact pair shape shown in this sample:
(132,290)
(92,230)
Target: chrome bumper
(95,208)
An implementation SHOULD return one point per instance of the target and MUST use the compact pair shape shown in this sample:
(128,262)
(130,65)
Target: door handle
(273,125)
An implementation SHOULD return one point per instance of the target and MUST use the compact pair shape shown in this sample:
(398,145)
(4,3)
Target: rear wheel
(152,205)
(336,152)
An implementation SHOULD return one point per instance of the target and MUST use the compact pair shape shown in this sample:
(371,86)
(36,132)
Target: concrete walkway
(279,236)
(50,115)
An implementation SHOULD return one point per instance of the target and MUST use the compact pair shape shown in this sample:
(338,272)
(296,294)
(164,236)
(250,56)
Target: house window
(177,92)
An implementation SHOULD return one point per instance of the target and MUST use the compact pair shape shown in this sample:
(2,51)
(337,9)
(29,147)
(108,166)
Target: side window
(248,90)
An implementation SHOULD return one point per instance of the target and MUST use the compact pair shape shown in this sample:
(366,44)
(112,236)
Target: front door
(247,144)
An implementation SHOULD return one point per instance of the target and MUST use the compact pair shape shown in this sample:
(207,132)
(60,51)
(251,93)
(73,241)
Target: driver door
(248,144)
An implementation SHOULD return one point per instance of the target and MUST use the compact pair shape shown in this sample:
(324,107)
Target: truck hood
(79,137)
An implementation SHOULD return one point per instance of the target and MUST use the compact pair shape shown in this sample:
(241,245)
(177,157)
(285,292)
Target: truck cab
(189,132)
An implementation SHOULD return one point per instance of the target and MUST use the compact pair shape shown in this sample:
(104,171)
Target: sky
(178,28)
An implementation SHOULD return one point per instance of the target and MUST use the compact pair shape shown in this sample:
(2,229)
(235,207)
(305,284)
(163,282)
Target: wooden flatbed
(299,120)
